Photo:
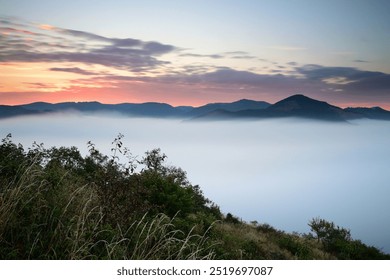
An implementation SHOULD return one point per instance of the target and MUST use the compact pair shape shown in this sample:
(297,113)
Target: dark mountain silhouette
(376,113)
(298,106)
(185,109)
(39,106)
(153,109)
(79,106)
(305,107)
(243,104)
(14,111)
(150,109)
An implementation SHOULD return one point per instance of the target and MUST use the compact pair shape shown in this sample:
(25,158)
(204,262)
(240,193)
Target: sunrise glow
(193,60)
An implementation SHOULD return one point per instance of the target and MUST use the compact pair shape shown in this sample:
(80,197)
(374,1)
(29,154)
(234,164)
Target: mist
(282,172)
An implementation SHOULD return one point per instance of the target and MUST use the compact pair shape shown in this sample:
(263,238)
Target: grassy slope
(56,204)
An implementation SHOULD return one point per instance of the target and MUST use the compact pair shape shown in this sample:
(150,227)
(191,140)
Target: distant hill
(151,109)
(301,106)
(78,106)
(243,104)
(376,113)
(305,107)
(14,111)
(298,106)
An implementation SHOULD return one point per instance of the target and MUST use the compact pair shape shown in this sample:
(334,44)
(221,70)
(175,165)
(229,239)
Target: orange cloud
(46,27)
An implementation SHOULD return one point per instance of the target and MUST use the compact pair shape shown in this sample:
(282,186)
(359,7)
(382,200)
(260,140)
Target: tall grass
(39,220)
(157,239)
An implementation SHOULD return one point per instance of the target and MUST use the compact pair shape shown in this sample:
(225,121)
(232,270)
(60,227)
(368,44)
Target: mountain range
(298,106)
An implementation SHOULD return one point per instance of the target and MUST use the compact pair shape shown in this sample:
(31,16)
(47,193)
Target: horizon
(185,105)
(201,52)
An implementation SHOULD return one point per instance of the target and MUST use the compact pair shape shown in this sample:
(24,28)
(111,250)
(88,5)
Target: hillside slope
(57,204)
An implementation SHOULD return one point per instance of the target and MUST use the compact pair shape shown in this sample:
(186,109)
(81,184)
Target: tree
(327,231)
(154,160)
(320,227)
(336,240)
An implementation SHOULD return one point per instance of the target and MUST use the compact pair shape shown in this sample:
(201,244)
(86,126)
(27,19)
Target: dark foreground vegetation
(57,204)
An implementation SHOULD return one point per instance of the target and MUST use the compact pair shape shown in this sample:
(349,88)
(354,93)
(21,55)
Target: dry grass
(65,221)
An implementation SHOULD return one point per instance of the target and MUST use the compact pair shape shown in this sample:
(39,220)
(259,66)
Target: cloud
(337,81)
(9,30)
(73,70)
(236,53)
(80,34)
(214,56)
(126,44)
(350,78)
(371,82)
(39,85)
(45,43)
(73,51)
(42,86)
(288,48)
(224,77)
(231,76)
(115,59)
(313,79)
(361,61)
(156,48)
(244,57)
(318,72)
(240,55)
(233,55)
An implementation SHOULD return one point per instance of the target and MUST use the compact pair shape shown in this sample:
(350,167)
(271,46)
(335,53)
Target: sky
(185,52)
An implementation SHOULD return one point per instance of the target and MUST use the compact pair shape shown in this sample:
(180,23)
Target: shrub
(56,204)
(338,241)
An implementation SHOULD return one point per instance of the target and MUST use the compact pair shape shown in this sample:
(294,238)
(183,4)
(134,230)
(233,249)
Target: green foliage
(338,241)
(57,204)
(11,157)
(266,228)
(231,219)
(328,232)
(297,246)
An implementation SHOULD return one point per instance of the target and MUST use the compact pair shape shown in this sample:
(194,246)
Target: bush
(338,241)
(56,204)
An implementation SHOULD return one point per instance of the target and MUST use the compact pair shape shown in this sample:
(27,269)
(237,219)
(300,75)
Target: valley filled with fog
(282,172)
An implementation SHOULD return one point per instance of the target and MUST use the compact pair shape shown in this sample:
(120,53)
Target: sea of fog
(282,172)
